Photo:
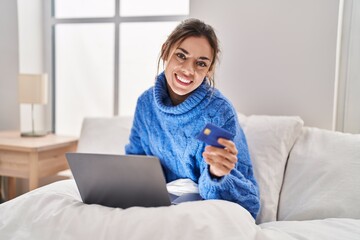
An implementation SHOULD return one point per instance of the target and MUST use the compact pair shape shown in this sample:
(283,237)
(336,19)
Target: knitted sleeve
(135,146)
(240,185)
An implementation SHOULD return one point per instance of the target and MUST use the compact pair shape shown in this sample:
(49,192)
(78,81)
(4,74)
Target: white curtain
(347,111)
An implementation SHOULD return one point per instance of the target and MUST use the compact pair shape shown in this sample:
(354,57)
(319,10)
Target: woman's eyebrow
(204,58)
(186,52)
(183,50)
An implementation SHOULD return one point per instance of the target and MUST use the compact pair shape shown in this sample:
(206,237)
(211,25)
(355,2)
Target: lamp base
(34,134)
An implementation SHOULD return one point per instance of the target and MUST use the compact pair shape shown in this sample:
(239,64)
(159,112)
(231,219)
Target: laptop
(122,181)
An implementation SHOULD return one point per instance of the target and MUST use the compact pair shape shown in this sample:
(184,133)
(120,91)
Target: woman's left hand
(221,160)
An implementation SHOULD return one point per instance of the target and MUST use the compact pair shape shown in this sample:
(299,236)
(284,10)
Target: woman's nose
(188,67)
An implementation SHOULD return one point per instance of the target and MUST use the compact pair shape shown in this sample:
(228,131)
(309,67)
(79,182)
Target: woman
(169,115)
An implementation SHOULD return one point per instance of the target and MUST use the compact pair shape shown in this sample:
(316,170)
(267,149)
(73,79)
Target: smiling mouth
(182,80)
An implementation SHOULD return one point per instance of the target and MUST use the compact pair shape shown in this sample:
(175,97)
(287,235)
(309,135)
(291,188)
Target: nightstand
(32,157)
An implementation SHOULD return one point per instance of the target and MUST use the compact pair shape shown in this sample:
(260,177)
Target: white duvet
(57,212)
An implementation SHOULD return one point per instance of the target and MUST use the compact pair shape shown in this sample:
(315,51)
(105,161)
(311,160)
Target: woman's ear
(163,49)
(210,74)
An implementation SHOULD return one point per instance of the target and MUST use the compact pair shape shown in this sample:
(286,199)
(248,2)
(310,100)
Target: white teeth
(183,79)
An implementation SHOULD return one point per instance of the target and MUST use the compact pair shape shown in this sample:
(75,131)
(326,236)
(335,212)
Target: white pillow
(270,139)
(322,178)
(107,135)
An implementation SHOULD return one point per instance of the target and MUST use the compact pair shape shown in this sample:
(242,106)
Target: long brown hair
(192,27)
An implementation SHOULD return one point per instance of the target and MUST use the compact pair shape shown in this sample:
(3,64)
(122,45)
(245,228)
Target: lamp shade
(33,88)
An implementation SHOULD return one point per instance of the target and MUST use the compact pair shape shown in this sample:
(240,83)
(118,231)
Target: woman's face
(187,66)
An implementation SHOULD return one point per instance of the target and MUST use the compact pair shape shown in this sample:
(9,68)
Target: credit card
(211,133)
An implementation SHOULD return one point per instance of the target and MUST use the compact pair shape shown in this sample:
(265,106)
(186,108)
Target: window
(104,55)
(138,59)
(84,66)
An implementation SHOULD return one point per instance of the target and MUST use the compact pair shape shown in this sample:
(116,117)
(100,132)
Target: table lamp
(33,90)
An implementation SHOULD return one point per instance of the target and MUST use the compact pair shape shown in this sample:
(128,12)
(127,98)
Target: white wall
(278,56)
(9,66)
(31,57)
(21,51)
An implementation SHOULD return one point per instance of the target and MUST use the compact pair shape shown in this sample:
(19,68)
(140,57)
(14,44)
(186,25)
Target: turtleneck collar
(163,100)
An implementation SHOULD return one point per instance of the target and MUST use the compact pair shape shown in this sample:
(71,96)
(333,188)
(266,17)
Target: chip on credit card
(211,133)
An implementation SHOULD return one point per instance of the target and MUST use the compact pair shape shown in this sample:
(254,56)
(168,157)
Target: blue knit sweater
(168,132)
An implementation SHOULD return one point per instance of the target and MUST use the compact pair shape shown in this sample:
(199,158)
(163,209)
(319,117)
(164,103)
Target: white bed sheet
(57,212)
(330,229)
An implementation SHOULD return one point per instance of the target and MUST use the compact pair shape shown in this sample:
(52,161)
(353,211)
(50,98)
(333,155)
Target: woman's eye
(181,56)
(202,64)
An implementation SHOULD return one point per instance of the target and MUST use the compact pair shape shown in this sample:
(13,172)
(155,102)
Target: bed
(309,190)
